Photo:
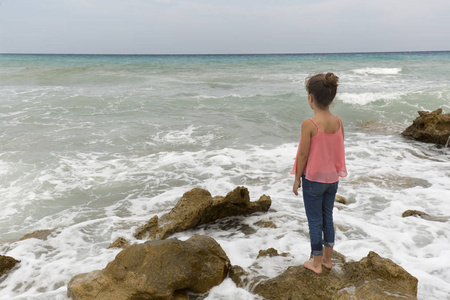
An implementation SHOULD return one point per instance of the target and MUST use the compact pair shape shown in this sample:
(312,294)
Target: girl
(320,162)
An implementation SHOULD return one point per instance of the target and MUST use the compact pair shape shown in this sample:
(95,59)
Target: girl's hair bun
(330,80)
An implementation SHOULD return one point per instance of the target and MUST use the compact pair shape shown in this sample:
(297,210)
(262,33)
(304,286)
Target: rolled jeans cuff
(317,252)
(326,244)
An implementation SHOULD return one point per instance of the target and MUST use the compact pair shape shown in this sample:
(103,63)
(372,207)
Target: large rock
(6,264)
(430,127)
(198,207)
(156,270)
(372,278)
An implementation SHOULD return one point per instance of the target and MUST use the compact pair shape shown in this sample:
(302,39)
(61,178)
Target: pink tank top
(326,159)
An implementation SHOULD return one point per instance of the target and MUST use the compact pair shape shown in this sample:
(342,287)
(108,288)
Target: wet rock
(197,207)
(119,243)
(373,277)
(387,129)
(38,234)
(421,214)
(430,127)
(271,252)
(391,181)
(340,199)
(266,224)
(6,264)
(165,269)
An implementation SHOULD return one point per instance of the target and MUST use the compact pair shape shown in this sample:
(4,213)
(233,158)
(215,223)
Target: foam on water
(378,71)
(366,98)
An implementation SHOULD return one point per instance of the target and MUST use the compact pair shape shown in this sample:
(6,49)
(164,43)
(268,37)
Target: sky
(223,26)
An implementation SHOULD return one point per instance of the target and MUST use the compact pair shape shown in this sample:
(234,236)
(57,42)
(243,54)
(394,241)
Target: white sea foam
(377,71)
(366,98)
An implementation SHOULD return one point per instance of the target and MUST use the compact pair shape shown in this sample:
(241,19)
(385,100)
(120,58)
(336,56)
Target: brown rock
(391,181)
(387,129)
(421,214)
(38,234)
(430,127)
(266,224)
(373,277)
(198,207)
(119,243)
(6,264)
(271,252)
(156,270)
(340,199)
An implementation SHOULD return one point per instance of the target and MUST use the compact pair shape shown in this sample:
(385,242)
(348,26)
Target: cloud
(197,26)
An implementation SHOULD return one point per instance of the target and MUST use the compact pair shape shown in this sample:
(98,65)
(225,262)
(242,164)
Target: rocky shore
(166,268)
(163,268)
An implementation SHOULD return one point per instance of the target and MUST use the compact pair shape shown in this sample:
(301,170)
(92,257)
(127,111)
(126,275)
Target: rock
(340,199)
(415,213)
(119,243)
(197,207)
(421,214)
(161,270)
(373,277)
(266,224)
(430,127)
(391,181)
(6,264)
(271,252)
(38,234)
(387,129)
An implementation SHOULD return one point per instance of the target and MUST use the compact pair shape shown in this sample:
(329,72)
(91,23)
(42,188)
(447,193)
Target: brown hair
(322,87)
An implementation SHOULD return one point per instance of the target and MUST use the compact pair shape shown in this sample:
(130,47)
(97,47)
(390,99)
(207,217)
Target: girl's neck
(319,112)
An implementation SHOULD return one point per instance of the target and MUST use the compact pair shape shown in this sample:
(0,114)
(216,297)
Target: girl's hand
(297,185)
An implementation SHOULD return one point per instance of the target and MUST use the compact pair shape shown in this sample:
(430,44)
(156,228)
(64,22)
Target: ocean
(93,146)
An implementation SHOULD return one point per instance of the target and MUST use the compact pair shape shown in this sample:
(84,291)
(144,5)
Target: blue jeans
(319,202)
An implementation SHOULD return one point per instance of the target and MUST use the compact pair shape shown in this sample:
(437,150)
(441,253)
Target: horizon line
(225,54)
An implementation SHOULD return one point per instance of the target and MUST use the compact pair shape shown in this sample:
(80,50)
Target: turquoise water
(93,146)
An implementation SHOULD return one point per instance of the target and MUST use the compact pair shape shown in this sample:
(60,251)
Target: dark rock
(430,127)
(6,264)
(161,270)
(198,207)
(373,277)
(119,243)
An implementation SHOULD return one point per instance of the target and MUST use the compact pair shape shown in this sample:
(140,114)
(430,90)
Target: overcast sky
(222,26)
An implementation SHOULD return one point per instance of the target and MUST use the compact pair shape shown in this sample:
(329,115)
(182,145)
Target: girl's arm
(307,130)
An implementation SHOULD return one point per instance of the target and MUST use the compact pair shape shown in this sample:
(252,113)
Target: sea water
(91,147)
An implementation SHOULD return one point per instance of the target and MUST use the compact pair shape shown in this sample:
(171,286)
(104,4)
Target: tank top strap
(315,123)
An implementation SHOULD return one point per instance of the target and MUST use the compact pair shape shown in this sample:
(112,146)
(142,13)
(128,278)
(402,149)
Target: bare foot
(327,265)
(309,264)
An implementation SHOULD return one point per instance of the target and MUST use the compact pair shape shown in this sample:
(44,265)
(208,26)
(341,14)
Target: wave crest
(377,71)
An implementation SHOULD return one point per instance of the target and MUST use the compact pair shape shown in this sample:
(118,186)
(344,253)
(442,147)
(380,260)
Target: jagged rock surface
(372,278)
(197,207)
(6,264)
(430,127)
(156,270)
